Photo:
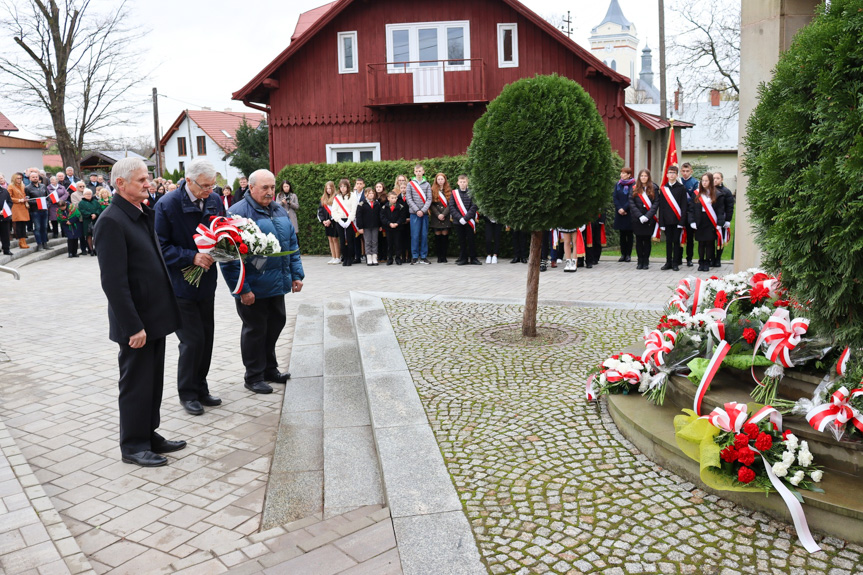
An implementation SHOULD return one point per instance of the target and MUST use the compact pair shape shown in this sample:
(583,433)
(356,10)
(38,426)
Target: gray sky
(201,51)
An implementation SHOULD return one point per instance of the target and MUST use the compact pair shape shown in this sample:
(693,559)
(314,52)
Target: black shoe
(390,262)
(646,267)
(543,265)
(413,261)
(70,255)
(675,268)
(475,262)
(47,247)
(524,260)
(628,258)
(7,253)
(667,266)
(622,259)
(716,265)
(514,260)
(259,387)
(145,459)
(689,263)
(74,255)
(425,261)
(210,400)
(168,446)
(588,265)
(398,261)
(639,267)
(192,406)
(348,263)
(461,262)
(93,254)
(277,377)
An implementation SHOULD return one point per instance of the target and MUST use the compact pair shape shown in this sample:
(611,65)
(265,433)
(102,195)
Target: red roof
(213,123)
(6,125)
(307,19)
(654,122)
(53,160)
(313,20)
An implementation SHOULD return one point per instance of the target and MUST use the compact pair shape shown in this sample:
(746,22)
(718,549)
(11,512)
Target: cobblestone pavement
(547,481)
(59,397)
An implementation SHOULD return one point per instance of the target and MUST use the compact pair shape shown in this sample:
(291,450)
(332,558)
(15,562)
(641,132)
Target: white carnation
(609,363)
(817,475)
(780,469)
(796,478)
(602,379)
(791,442)
(696,338)
(804,457)
(788,458)
(626,357)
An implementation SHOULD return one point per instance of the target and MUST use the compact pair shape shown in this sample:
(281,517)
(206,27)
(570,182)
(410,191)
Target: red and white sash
(415,185)
(442,198)
(647,204)
(711,215)
(669,198)
(459,204)
(346,212)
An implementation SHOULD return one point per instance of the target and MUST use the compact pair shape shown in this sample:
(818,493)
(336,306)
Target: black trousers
(5,228)
(673,251)
(466,242)
(405,240)
(142,374)
(706,252)
(690,246)
(346,241)
(492,237)
(262,324)
(626,242)
(394,243)
(196,347)
(642,249)
(520,242)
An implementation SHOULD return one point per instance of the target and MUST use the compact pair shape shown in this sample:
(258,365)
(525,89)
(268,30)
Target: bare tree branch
(74,64)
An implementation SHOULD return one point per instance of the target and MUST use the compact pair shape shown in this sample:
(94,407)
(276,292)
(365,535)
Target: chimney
(714,97)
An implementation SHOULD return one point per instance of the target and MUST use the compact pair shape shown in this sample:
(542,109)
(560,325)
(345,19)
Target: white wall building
(17,154)
(205,134)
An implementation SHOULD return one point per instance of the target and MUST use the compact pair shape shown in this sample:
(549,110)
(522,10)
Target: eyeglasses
(210,187)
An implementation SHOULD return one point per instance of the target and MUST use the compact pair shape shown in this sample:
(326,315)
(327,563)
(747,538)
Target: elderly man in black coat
(141,311)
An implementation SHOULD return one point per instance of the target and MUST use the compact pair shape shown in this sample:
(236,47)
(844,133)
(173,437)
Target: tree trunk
(528,321)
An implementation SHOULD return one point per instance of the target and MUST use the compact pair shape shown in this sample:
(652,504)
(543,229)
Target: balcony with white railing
(423,82)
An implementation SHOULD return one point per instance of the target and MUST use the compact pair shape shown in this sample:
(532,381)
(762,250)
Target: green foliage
(805,168)
(52,170)
(236,185)
(309,179)
(540,155)
(174,176)
(253,148)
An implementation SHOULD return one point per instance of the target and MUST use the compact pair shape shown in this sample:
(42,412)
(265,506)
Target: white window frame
(356,148)
(501,63)
(413,44)
(355,68)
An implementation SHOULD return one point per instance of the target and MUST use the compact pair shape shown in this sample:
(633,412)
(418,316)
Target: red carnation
(785,434)
(741,441)
(746,456)
(721,299)
(714,277)
(758,293)
(615,356)
(244,249)
(745,475)
(751,430)
(750,335)
(728,454)
(781,303)
(763,442)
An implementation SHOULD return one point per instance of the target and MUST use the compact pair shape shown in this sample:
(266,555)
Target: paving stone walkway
(59,405)
(547,481)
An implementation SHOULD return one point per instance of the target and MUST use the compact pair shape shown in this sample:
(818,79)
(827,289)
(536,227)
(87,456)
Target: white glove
(662,228)
(462,222)
(643,219)
(693,226)
(727,225)
(345,224)
(679,227)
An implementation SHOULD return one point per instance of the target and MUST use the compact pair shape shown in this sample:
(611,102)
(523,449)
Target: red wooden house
(388,79)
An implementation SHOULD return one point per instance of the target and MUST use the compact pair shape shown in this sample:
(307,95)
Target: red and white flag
(72,187)
(6,212)
(670,156)
(54,197)
(41,203)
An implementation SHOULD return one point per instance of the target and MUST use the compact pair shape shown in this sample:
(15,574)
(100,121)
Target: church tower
(614,41)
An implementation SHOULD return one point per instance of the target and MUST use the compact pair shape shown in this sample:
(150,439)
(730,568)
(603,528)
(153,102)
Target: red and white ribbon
(590,394)
(615,376)
(838,411)
(681,294)
(781,334)
(697,295)
(771,284)
(657,344)
(842,363)
(712,367)
(717,328)
(733,416)
(222,228)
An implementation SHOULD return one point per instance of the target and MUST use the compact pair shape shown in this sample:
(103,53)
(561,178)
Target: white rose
(797,478)
(780,469)
(817,475)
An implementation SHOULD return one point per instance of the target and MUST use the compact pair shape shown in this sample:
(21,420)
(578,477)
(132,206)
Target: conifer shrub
(805,168)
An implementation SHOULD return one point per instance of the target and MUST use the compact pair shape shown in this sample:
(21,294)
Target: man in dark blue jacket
(178,214)
(261,301)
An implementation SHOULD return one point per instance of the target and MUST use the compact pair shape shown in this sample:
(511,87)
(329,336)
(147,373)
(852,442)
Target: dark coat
(469,207)
(177,218)
(705,231)
(691,186)
(239,194)
(389,216)
(637,209)
(5,199)
(666,213)
(33,191)
(728,196)
(87,209)
(277,276)
(621,202)
(367,216)
(134,275)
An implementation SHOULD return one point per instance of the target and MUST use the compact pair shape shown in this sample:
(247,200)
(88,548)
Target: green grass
(658,250)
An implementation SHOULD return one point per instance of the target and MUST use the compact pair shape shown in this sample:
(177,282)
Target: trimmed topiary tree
(805,168)
(540,159)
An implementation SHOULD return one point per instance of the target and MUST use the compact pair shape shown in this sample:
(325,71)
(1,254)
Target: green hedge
(308,181)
